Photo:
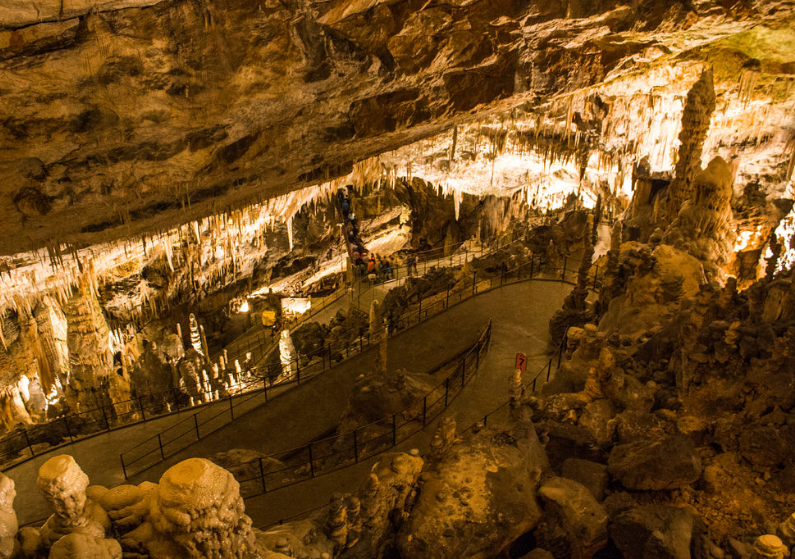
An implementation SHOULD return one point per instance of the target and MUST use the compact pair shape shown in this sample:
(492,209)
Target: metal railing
(532,384)
(155,449)
(326,455)
(28,442)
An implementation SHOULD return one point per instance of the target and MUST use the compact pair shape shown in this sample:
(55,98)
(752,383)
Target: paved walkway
(520,316)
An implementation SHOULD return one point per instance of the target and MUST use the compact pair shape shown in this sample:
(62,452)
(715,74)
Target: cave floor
(520,315)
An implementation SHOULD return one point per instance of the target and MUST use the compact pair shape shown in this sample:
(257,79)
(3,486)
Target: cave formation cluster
(214,198)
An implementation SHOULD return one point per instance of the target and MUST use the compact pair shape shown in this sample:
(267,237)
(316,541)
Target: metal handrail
(406,320)
(546,368)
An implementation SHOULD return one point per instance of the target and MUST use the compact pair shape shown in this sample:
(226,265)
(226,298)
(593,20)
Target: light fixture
(243,307)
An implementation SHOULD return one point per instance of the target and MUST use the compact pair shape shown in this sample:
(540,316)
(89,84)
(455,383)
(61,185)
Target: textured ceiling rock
(131,116)
(20,13)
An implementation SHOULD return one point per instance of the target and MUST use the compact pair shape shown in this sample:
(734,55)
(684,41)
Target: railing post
(474,281)
(549,369)
(27,441)
(160,443)
(419,312)
(262,476)
(534,385)
(265,390)
(563,273)
(105,416)
(394,429)
(196,424)
(355,447)
(68,430)
(311,461)
(298,370)
(231,408)
(123,467)
(329,355)
(141,405)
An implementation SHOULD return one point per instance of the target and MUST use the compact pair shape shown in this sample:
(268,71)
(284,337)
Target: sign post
(521,362)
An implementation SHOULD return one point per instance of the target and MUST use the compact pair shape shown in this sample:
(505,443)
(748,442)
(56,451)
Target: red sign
(521,361)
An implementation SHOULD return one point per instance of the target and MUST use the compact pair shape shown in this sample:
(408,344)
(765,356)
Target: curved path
(520,314)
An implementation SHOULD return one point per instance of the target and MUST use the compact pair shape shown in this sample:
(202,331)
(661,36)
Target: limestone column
(696,118)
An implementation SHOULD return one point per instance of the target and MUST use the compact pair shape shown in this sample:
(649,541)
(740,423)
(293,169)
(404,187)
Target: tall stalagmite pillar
(696,118)
(93,382)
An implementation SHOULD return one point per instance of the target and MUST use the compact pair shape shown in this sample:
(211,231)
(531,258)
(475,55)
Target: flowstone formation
(704,226)
(195,511)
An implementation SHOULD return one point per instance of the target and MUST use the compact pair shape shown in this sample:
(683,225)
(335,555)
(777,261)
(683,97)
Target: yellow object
(268,318)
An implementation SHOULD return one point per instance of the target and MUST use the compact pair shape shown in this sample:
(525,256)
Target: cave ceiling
(125,118)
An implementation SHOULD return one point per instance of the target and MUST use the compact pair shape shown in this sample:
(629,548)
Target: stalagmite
(8,517)
(287,353)
(205,349)
(63,485)
(195,335)
(695,124)
(769,547)
(336,525)
(609,287)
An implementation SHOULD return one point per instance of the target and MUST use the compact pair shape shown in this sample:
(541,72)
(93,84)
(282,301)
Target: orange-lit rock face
(136,115)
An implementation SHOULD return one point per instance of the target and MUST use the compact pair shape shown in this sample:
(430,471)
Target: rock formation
(63,484)
(479,497)
(195,511)
(695,124)
(93,382)
(9,547)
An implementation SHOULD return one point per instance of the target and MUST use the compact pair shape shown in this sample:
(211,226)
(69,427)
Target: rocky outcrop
(654,531)
(575,524)
(478,498)
(666,463)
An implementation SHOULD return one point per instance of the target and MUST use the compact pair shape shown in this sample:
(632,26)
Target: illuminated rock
(8,518)
(78,545)
(63,485)
(287,353)
(194,512)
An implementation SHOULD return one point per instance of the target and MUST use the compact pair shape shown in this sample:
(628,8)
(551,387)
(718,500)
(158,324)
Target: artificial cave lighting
(295,306)
(393,279)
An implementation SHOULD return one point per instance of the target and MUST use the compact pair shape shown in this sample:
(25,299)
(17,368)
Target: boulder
(766,445)
(669,462)
(653,532)
(596,419)
(590,474)
(633,425)
(479,498)
(575,524)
